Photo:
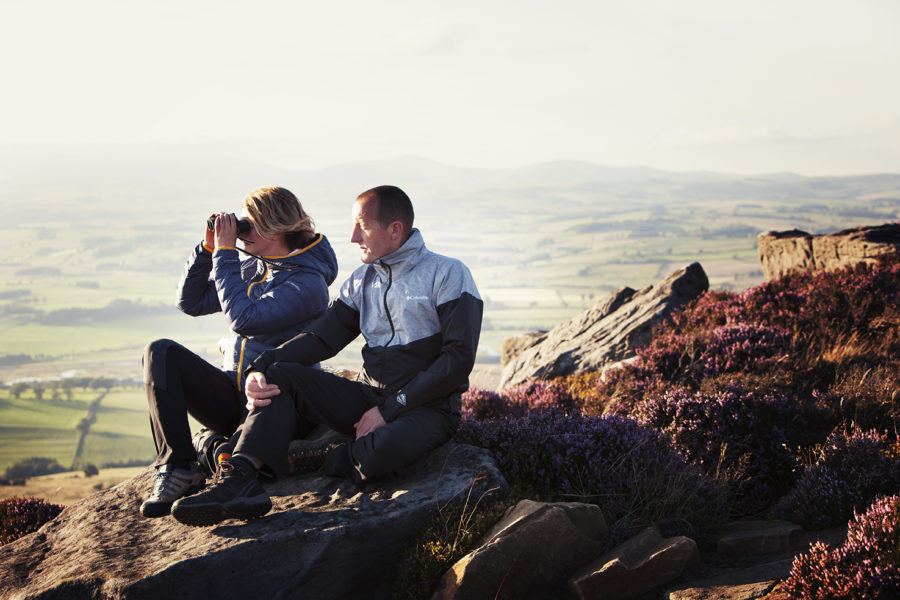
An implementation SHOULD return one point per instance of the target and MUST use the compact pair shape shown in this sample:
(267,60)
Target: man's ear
(396,229)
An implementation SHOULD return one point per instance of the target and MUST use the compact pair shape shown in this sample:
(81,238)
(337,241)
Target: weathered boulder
(535,544)
(639,565)
(323,539)
(608,332)
(783,252)
(514,345)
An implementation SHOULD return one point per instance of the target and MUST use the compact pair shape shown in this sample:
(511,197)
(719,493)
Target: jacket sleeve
(326,337)
(300,296)
(460,321)
(196,293)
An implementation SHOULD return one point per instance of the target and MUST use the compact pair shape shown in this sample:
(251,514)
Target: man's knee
(393,448)
(282,374)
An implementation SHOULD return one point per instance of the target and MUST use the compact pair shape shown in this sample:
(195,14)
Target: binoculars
(243,225)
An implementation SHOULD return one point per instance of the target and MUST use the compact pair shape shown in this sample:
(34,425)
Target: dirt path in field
(84,427)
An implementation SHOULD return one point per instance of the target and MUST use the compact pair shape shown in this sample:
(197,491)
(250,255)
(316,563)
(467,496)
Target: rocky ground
(744,573)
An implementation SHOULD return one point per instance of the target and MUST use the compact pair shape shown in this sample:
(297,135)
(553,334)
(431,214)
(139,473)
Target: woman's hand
(226,230)
(209,236)
(258,392)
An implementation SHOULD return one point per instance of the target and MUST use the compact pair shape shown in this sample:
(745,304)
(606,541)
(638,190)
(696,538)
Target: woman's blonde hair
(275,210)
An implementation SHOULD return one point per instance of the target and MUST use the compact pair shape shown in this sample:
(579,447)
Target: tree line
(64,389)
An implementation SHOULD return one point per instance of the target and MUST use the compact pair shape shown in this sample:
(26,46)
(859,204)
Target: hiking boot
(171,484)
(235,494)
(306,456)
(211,448)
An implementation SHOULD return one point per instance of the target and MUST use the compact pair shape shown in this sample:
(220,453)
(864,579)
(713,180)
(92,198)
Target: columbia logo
(417,297)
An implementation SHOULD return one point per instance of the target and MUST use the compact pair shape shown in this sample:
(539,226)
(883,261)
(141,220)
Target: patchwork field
(49,428)
(92,260)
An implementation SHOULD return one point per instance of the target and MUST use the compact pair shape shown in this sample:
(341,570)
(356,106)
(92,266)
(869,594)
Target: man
(420,314)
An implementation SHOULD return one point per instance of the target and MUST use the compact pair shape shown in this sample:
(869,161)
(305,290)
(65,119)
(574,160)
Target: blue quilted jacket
(264,304)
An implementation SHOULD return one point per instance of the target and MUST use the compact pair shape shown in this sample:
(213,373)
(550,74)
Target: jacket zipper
(240,365)
(240,362)
(387,312)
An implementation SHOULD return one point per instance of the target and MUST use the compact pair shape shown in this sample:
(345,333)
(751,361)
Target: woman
(267,299)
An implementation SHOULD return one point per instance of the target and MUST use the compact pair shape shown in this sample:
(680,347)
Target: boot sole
(204,515)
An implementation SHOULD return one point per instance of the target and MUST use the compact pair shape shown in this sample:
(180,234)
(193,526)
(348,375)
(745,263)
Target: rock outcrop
(557,550)
(323,539)
(608,332)
(783,252)
(534,545)
(641,564)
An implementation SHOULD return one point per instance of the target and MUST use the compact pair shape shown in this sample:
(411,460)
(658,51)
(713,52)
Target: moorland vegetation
(779,401)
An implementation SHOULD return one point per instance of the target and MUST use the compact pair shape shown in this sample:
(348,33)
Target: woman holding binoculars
(267,298)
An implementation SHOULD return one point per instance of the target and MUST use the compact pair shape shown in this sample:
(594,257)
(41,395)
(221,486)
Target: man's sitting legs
(310,396)
(307,396)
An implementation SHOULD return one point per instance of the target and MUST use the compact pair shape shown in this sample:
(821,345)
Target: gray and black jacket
(420,314)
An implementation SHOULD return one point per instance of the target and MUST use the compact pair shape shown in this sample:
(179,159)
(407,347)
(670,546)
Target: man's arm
(326,337)
(460,321)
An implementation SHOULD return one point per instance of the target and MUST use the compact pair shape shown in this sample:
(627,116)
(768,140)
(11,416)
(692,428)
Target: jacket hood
(317,256)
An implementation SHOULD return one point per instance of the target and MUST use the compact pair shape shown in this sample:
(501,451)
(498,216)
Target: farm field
(71,486)
(48,428)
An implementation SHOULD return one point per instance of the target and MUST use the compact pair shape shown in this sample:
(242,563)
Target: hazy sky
(809,86)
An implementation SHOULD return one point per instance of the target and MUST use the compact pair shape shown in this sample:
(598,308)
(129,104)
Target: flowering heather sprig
(478,403)
(539,395)
(739,437)
(865,567)
(20,516)
(692,358)
(851,469)
(632,472)
(516,401)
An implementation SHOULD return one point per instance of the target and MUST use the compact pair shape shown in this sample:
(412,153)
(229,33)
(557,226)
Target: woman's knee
(165,359)
(155,360)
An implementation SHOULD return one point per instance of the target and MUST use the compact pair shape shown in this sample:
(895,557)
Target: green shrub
(34,467)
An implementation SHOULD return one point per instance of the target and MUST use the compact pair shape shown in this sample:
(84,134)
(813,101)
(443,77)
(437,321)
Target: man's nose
(355,236)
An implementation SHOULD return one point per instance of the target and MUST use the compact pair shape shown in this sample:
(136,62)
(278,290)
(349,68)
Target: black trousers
(310,396)
(179,382)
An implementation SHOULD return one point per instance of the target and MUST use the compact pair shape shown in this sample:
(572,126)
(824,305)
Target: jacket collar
(405,257)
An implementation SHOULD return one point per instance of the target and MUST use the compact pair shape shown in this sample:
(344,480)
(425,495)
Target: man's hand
(369,422)
(258,392)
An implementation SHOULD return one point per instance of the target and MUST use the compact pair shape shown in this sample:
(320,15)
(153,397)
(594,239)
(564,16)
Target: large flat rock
(323,539)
